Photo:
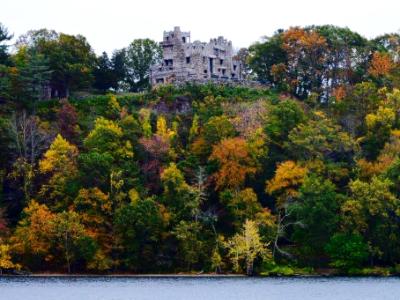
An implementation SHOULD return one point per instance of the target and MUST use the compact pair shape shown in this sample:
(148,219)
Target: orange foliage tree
(235,163)
(381,64)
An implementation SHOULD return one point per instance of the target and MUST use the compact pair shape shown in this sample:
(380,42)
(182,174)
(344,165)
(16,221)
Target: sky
(110,25)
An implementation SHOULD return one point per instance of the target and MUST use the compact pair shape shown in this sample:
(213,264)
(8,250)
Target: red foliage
(67,121)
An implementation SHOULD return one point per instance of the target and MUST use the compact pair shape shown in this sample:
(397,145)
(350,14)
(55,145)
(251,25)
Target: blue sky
(110,25)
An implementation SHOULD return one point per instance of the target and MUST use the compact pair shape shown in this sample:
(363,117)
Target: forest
(100,173)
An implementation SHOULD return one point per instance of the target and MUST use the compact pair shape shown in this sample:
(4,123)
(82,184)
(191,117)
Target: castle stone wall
(184,60)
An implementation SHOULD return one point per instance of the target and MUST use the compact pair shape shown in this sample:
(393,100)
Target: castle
(184,60)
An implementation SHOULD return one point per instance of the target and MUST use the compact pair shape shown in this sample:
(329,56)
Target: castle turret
(185,61)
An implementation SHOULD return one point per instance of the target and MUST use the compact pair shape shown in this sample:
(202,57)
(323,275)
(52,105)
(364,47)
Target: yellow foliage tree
(288,177)
(60,162)
(5,259)
(246,247)
(60,157)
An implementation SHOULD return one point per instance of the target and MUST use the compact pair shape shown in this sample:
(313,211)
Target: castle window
(205,71)
(204,59)
(188,60)
(223,71)
(234,67)
(168,62)
(184,39)
(221,61)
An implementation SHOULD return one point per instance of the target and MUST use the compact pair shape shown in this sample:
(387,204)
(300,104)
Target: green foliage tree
(178,197)
(104,77)
(141,54)
(71,59)
(139,226)
(263,56)
(68,233)
(4,37)
(316,212)
(371,211)
(347,251)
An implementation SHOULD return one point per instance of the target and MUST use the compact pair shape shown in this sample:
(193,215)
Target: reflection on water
(203,288)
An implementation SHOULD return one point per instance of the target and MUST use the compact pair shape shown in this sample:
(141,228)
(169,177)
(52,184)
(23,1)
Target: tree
(218,128)
(191,244)
(347,54)
(235,163)
(95,210)
(33,235)
(317,209)
(67,119)
(285,184)
(3,224)
(29,136)
(30,82)
(139,228)
(265,55)
(305,52)
(4,37)
(60,162)
(113,108)
(5,259)
(372,211)
(246,247)
(381,64)
(361,99)
(68,231)
(140,55)
(282,118)
(241,205)
(320,138)
(288,178)
(178,196)
(347,251)
(119,68)
(243,56)
(106,138)
(107,152)
(104,77)
(71,59)
(379,125)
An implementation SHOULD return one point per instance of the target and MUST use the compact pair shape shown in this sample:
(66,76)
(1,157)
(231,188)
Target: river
(197,288)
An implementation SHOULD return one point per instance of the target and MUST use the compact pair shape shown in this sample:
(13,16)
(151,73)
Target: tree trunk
(249,269)
(67,253)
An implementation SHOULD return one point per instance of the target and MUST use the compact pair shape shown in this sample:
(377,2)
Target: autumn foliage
(298,174)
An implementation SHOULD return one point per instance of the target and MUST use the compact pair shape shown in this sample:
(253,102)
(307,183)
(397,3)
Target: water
(204,288)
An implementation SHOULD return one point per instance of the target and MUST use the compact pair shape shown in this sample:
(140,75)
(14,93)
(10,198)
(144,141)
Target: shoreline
(210,275)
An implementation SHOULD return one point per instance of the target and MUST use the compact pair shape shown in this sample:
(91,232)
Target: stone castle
(184,60)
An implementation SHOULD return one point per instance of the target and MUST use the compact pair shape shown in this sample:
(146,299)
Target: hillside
(300,176)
